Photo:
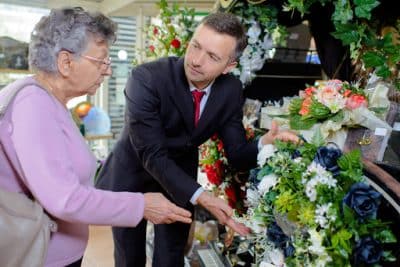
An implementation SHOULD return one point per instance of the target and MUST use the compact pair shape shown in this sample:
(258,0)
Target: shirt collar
(205,90)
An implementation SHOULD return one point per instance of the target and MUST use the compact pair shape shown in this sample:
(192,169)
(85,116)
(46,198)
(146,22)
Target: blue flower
(327,157)
(296,154)
(363,199)
(289,250)
(276,235)
(253,177)
(368,251)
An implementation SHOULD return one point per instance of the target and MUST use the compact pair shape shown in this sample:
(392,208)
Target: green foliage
(171,35)
(354,26)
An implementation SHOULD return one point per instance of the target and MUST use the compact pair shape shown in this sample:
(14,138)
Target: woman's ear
(64,63)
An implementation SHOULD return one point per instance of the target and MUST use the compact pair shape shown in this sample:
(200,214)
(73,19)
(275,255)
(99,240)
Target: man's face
(208,55)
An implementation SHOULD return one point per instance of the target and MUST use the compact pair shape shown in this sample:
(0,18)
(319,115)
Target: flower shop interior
(325,69)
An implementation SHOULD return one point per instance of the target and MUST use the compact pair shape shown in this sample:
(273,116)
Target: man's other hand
(274,134)
(221,210)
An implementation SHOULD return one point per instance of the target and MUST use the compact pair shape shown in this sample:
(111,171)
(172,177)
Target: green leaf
(348,214)
(338,117)
(298,123)
(348,33)
(373,59)
(364,7)
(295,106)
(317,138)
(388,256)
(319,110)
(343,12)
(383,71)
(386,236)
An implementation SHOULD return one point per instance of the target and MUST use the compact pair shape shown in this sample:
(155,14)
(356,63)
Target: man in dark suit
(158,148)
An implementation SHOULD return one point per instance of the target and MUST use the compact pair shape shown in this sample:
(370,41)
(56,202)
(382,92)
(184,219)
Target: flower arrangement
(372,37)
(171,32)
(222,178)
(327,100)
(263,33)
(310,205)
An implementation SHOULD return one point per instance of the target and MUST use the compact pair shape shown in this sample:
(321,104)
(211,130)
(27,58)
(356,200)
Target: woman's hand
(159,210)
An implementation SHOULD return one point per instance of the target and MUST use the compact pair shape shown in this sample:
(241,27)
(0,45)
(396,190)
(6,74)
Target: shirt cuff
(196,195)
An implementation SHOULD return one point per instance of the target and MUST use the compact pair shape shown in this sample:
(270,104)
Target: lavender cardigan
(57,167)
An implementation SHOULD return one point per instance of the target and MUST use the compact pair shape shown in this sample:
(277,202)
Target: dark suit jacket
(158,147)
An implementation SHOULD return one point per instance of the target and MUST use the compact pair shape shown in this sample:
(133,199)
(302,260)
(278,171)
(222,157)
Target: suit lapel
(181,96)
(214,101)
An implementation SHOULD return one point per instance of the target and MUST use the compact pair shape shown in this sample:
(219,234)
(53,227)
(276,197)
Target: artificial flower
(317,208)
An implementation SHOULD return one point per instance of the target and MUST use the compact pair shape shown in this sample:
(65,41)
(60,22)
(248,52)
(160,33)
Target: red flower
(220,146)
(175,43)
(212,175)
(155,30)
(231,195)
(152,48)
(214,137)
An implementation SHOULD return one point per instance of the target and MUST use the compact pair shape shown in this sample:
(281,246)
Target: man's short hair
(229,24)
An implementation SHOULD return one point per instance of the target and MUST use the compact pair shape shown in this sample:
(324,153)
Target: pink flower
(356,101)
(152,48)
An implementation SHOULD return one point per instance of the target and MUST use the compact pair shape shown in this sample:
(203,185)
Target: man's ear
(229,67)
(64,63)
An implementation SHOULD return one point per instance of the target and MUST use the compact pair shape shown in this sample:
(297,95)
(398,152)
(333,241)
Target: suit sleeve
(241,154)
(148,138)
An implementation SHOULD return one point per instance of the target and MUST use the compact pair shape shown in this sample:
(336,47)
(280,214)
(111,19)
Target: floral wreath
(310,205)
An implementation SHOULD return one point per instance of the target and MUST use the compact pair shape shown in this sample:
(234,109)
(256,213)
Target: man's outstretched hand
(221,210)
(158,209)
(274,134)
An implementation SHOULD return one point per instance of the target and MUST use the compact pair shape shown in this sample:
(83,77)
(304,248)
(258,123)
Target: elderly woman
(69,54)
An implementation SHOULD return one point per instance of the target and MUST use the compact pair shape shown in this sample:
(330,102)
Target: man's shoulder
(229,80)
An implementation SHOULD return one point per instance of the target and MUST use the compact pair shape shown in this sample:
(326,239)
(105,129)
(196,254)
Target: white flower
(275,258)
(311,192)
(266,152)
(267,183)
(253,197)
(253,32)
(316,243)
(256,227)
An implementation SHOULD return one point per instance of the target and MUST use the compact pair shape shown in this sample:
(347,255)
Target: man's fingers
(237,227)
(274,128)
(226,208)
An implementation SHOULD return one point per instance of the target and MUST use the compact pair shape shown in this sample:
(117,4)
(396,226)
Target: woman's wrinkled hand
(159,210)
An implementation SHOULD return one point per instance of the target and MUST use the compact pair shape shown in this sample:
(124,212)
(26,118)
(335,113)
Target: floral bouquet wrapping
(310,205)
(333,106)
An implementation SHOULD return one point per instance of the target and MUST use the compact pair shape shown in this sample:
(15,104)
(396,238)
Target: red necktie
(197,96)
